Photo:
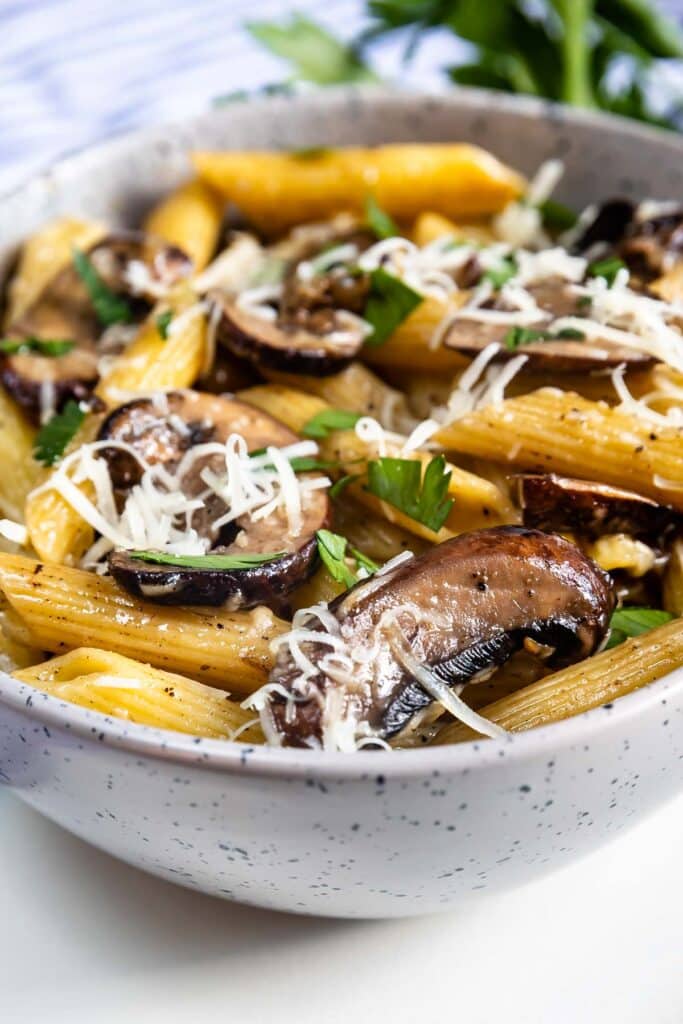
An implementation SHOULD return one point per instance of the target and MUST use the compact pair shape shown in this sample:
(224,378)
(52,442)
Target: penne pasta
(124,688)
(599,680)
(43,255)
(430,226)
(277,190)
(20,472)
(411,347)
(589,440)
(672,586)
(290,405)
(191,218)
(66,608)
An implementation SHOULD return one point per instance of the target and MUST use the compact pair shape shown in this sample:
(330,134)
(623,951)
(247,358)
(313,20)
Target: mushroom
(609,225)
(558,299)
(162,431)
(129,263)
(388,647)
(646,243)
(592,509)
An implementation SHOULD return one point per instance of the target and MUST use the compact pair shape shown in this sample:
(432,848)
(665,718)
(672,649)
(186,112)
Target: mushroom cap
(271,344)
(557,503)
(462,607)
(163,432)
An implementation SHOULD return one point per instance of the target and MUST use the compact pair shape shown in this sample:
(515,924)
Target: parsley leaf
(332,550)
(338,488)
(227,562)
(163,322)
(299,463)
(363,561)
(517,336)
(389,303)
(109,307)
(607,268)
(400,482)
(556,216)
(627,622)
(378,220)
(315,55)
(54,437)
(323,423)
(41,346)
(500,275)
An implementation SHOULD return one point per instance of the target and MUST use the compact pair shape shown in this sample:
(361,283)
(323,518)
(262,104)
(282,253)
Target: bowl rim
(261,760)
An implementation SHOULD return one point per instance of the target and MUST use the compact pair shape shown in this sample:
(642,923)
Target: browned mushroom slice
(564,354)
(286,345)
(592,509)
(651,246)
(130,264)
(609,225)
(435,622)
(162,432)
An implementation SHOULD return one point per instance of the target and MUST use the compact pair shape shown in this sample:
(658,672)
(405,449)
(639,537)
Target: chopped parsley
(40,346)
(332,550)
(502,273)
(323,423)
(401,484)
(227,562)
(556,216)
(628,622)
(299,463)
(163,322)
(55,436)
(517,336)
(363,561)
(109,307)
(607,268)
(338,488)
(378,220)
(389,303)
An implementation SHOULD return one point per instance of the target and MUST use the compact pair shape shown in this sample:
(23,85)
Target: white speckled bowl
(375,834)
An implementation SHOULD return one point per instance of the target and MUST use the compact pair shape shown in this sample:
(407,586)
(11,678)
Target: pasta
(66,608)
(119,686)
(364,475)
(607,676)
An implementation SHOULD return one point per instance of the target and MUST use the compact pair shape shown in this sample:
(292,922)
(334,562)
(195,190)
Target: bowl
(375,834)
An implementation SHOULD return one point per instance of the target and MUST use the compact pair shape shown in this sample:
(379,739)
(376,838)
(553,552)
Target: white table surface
(87,940)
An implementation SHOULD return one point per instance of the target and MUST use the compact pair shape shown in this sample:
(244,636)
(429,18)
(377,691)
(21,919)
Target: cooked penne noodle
(672,585)
(589,684)
(43,255)
(360,390)
(276,190)
(125,688)
(65,608)
(431,226)
(20,472)
(15,651)
(412,345)
(321,588)
(290,405)
(621,551)
(191,218)
(586,439)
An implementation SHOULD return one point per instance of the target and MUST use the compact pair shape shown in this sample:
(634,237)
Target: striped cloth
(74,71)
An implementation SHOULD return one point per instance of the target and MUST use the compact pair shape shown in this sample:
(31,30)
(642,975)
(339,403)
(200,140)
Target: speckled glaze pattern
(376,834)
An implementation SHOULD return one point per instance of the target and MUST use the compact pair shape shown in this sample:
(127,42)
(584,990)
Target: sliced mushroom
(130,264)
(286,345)
(558,299)
(650,247)
(458,611)
(592,509)
(609,225)
(162,432)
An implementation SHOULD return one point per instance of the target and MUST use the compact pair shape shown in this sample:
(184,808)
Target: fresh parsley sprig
(517,336)
(55,436)
(163,322)
(628,622)
(400,483)
(607,269)
(109,307)
(378,220)
(502,272)
(333,549)
(220,562)
(389,303)
(52,347)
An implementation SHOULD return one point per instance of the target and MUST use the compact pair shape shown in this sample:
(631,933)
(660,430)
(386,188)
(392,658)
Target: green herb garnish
(501,274)
(163,322)
(299,463)
(378,220)
(607,268)
(517,336)
(400,482)
(556,216)
(54,437)
(389,303)
(363,561)
(627,622)
(109,307)
(332,550)
(227,562)
(323,423)
(338,488)
(41,346)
